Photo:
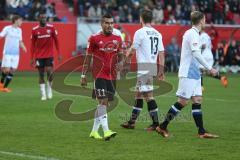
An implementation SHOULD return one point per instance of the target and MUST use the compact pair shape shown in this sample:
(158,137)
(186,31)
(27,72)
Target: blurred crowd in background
(28,9)
(165,11)
(127,11)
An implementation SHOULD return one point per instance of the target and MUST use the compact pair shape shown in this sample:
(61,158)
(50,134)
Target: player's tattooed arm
(23,46)
(129,54)
(161,57)
(85,68)
(120,57)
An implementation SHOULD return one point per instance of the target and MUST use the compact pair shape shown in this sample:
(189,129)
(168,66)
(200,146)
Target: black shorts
(44,62)
(104,89)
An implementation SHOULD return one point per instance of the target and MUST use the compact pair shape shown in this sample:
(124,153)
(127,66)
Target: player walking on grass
(206,48)
(44,36)
(13,40)
(105,49)
(147,43)
(190,78)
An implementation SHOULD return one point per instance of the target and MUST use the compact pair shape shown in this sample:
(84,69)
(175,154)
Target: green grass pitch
(30,130)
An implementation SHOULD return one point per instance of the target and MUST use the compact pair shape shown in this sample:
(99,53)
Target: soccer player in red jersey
(105,49)
(44,36)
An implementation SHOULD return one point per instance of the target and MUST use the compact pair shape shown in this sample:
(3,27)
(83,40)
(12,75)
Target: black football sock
(153,111)
(136,110)
(173,111)
(197,115)
(217,77)
(202,81)
(3,77)
(8,80)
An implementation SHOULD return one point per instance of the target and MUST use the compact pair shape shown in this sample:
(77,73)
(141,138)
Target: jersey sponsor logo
(48,31)
(44,36)
(115,41)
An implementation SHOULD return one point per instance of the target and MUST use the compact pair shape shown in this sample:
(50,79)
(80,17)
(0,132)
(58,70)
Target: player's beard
(108,32)
(42,23)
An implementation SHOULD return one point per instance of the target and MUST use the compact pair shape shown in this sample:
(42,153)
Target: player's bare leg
(42,83)
(198,118)
(49,71)
(172,113)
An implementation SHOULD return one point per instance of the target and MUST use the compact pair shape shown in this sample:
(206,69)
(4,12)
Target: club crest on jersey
(115,41)
(48,31)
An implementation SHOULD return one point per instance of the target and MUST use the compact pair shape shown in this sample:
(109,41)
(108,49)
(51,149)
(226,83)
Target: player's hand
(119,66)
(83,81)
(32,62)
(213,72)
(25,49)
(60,58)
(161,76)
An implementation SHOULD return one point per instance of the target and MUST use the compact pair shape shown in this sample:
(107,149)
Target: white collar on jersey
(196,29)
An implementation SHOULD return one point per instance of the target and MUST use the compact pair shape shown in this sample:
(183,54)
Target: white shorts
(144,83)
(10,61)
(188,88)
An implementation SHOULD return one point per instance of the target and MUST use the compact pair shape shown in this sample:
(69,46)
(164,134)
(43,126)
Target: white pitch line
(27,156)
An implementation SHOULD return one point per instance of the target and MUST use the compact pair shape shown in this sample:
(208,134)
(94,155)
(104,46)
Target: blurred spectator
(228,15)
(220,57)
(34,12)
(135,12)
(232,52)
(234,6)
(106,9)
(95,11)
(171,20)
(81,7)
(22,9)
(51,12)
(173,55)
(2,10)
(167,12)
(158,14)
(218,13)
(178,14)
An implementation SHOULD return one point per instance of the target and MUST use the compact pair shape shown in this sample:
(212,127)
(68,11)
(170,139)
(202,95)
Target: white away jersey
(207,52)
(148,43)
(205,39)
(12,38)
(189,66)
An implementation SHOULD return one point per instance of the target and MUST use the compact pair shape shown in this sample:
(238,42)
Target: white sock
(43,89)
(49,89)
(103,117)
(96,123)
